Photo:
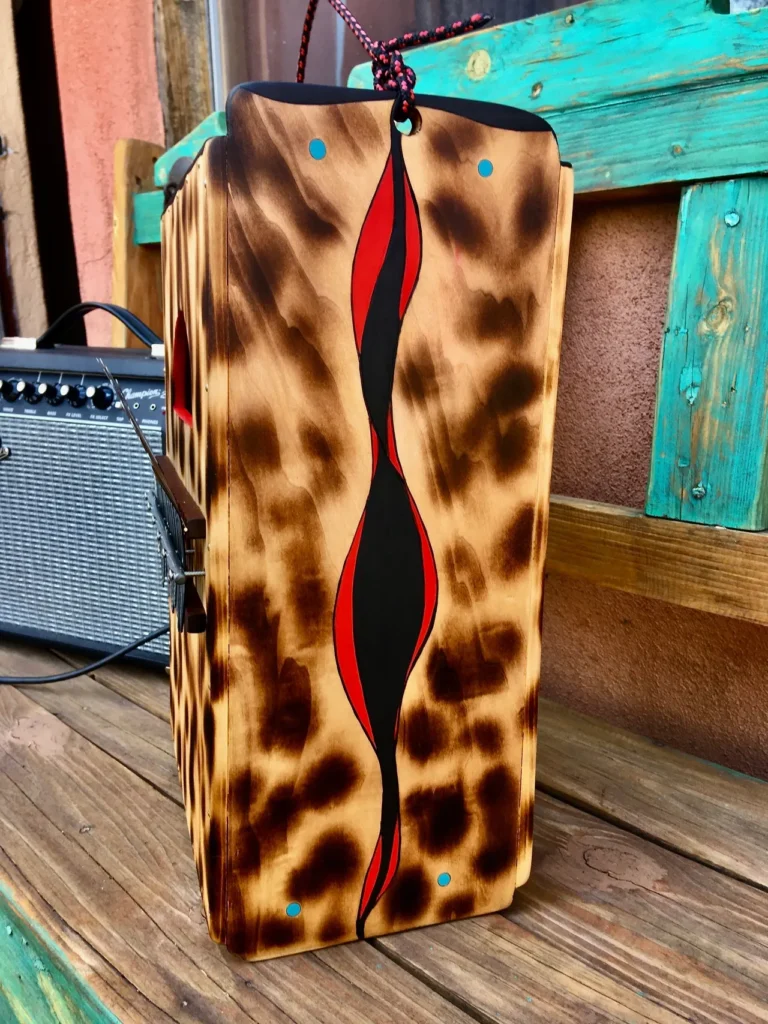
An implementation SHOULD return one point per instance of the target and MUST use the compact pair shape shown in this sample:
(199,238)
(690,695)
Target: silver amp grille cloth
(76,540)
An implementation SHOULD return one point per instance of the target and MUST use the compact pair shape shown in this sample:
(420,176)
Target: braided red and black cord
(390,72)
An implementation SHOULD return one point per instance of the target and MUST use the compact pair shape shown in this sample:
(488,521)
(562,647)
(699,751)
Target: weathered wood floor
(648,901)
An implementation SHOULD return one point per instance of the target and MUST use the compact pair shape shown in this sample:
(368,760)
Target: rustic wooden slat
(111,856)
(183,65)
(139,740)
(679,136)
(709,449)
(126,732)
(685,43)
(610,927)
(146,687)
(704,567)
(713,814)
(692,104)
(136,272)
(36,981)
(147,211)
(74,952)
(190,145)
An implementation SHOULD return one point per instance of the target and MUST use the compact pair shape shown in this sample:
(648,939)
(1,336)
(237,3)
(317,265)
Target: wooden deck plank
(707,812)
(610,927)
(148,687)
(699,809)
(137,279)
(143,685)
(126,731)
(133,736)
(632,897)
(110,855)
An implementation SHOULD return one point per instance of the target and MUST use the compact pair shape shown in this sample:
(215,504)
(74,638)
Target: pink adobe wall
(105,60)
(689,679)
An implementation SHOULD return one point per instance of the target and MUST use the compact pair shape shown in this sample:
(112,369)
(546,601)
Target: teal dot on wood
(317,149)
(444,879)
(293,909)
(485,168)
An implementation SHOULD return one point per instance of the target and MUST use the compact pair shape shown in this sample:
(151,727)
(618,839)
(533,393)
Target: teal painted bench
(647,95)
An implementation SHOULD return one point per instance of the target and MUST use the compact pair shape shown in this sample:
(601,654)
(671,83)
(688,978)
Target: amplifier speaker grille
(77,545)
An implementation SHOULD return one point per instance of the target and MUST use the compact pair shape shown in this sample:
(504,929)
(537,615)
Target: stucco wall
(686,678)
(105,59)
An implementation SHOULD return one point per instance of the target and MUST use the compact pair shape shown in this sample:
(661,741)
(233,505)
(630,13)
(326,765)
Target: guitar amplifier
(77,543)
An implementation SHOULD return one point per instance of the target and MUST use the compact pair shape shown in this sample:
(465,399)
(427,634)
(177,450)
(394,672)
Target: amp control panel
(85,395)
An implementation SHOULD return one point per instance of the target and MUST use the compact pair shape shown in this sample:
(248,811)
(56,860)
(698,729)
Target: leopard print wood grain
(194,269)
(281,784)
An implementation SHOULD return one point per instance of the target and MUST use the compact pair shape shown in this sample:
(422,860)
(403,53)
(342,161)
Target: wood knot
(478,65)
(718,318)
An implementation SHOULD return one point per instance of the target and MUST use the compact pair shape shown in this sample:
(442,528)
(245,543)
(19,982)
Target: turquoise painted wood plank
(682,136)
(190,145)
(638,94)
(592,53)
(147,211)
(37,984)
(709,460)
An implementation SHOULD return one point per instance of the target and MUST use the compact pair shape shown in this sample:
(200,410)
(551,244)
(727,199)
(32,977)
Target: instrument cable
(86,669)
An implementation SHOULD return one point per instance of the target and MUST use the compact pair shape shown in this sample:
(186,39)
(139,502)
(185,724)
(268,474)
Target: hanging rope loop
(390,72)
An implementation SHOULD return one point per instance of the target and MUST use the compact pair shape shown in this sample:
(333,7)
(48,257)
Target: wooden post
(183,63)
(711,435)
(136,270)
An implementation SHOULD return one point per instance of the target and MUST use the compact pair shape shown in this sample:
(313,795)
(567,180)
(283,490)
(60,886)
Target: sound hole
(181,372)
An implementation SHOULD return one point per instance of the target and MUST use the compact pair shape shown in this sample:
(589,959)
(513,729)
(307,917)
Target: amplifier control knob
(8,390)
(50,392)
(103,396)
(28,391)
(77,395)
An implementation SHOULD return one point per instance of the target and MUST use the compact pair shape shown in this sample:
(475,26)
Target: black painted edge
(493,115)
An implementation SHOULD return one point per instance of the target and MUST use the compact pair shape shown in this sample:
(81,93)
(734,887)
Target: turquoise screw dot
(444,879)
(317,149)
(485,168)
(293,909)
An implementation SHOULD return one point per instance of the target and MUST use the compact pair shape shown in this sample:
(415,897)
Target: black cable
(86,669)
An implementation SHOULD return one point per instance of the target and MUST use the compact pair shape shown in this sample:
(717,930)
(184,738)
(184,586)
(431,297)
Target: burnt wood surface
(362,334)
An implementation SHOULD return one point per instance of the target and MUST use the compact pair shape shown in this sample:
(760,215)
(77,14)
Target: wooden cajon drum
(362,332)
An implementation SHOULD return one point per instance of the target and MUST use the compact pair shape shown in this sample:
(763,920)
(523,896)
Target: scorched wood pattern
(388,331)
